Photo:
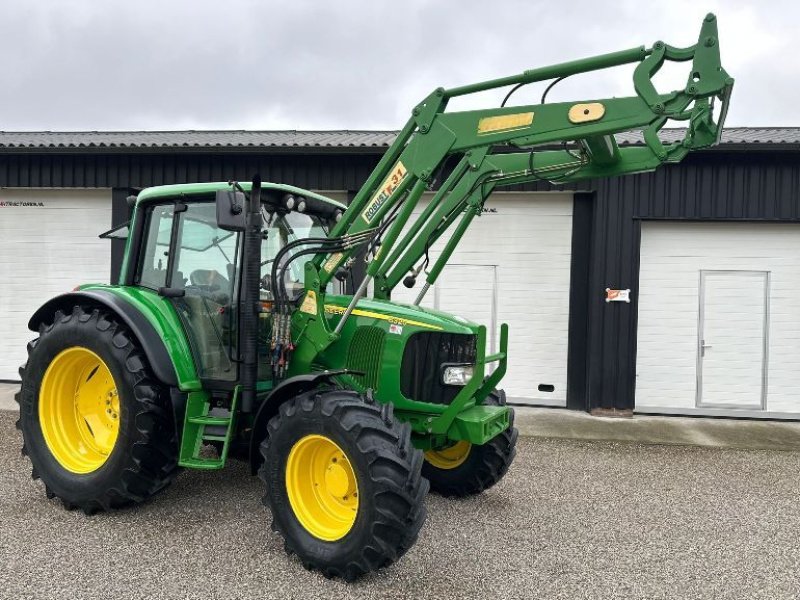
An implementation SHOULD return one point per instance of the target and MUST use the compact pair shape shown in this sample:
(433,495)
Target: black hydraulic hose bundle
(544,95)
(282,344)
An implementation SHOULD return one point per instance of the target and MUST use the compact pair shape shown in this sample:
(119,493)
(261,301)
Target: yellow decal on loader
(309,303)
(386,189)
(504,123)
(586,112)
(332,262)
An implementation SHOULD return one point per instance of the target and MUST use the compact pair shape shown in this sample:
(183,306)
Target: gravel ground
(571,520)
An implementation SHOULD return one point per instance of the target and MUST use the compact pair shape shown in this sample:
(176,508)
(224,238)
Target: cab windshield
(282,229)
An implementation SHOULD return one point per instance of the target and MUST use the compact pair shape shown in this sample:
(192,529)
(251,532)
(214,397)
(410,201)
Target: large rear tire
(95,423)
(464,469)
(343,482)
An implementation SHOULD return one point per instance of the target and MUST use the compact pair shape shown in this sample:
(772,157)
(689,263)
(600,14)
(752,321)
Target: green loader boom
(226,335)
(480,141)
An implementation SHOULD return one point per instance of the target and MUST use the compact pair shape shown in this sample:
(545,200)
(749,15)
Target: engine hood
(402,314)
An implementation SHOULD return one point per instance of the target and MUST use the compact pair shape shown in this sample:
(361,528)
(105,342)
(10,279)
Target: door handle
(703,347)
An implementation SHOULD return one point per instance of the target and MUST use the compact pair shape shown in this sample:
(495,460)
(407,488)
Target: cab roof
(198,189)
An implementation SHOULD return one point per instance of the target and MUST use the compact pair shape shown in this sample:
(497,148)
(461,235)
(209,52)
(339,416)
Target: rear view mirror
(231,214)
(120,232)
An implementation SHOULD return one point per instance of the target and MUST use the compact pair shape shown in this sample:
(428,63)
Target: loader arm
(586,130)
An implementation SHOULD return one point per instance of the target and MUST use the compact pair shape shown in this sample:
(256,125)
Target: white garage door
(513,266)
(48,244)
(719,330)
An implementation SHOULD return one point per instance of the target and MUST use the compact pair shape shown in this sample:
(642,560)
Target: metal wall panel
(137,170)
(762,184)
(758,186)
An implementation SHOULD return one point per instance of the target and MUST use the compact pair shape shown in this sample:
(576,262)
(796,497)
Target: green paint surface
(161,314)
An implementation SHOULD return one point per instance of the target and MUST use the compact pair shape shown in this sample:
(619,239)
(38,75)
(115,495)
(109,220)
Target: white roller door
(718,324)
(49,244)
(513,266)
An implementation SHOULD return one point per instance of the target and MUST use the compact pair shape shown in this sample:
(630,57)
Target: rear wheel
(464,469)
(343,482)
(95,423)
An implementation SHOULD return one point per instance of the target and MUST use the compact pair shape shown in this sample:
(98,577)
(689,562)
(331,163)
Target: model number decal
(340,310)
(387,188)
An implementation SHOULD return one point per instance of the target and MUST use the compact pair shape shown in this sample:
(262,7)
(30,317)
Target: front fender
(288,388)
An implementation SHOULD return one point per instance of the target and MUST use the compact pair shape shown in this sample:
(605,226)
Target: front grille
(364,354)
(423,357)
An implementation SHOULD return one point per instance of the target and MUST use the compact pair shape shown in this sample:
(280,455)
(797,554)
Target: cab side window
(204,266)
(152,272)
(206,255)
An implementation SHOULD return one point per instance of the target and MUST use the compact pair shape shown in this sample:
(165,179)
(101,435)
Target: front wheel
(464,469)
(343,482)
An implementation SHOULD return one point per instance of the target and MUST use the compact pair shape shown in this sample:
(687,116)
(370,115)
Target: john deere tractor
(227,334)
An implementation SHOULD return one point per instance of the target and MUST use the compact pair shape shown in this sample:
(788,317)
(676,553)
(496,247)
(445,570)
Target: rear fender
(148,338)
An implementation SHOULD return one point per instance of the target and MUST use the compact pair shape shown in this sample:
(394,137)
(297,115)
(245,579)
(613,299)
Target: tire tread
(492,463)
(153,456)
(394,470)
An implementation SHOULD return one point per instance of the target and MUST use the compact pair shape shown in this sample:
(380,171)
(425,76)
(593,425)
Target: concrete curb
(644,429)
(641,429)
(7,392)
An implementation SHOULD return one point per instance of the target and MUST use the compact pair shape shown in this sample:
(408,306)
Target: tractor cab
(180,250)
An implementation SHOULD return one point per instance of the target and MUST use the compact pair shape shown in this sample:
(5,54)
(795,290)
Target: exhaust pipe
(249,303)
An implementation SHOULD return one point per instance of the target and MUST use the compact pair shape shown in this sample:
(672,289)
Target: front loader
(229,334)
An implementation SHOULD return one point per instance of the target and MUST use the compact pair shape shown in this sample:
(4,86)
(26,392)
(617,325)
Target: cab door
(195,263)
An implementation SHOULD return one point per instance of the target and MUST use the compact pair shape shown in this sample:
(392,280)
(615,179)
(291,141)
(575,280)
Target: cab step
(223,421)
(204,424)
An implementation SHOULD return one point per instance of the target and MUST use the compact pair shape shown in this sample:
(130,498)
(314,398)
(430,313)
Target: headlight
(457,374)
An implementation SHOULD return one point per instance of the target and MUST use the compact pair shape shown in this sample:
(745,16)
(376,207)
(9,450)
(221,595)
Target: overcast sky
(352,64)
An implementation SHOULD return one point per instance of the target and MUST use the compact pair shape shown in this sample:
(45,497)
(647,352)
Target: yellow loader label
(389,185)
(332,262)
(309,305)
(505,123)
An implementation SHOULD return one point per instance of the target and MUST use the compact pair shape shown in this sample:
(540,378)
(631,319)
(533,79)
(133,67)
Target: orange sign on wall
(618,295)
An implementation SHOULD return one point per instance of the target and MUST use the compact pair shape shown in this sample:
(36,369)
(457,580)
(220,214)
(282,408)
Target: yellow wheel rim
(79,410)
(449,458)
(322,487)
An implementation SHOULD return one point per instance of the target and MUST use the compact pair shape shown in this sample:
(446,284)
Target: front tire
(95,423)
(343,482)
(464,469)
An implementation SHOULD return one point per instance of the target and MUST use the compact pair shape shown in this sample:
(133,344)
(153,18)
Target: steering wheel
(208,280)
(211,284)
(199,287)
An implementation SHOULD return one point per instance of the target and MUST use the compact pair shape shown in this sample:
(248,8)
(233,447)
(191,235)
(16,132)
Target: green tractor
(226,335)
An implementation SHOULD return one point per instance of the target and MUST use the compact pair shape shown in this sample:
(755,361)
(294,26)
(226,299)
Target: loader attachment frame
(585,130)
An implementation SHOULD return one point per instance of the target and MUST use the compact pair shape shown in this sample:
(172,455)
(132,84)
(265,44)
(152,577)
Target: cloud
(247,64)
